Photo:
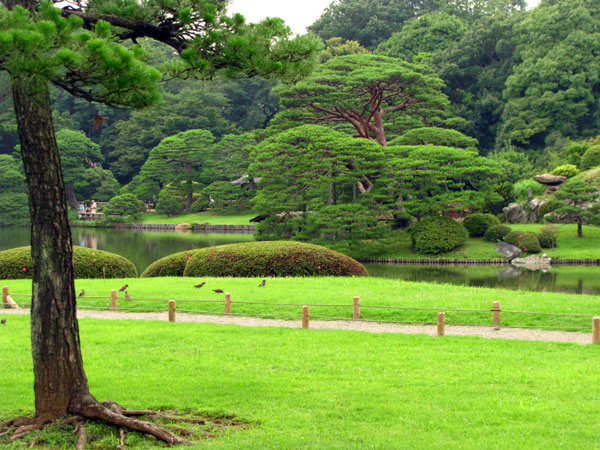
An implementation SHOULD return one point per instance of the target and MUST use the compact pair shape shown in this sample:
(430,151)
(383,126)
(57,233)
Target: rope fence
(9,302)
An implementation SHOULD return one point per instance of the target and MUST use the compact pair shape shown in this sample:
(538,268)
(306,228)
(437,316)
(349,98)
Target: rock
(534,208)
(533,262)
(509,273)
(183,227)
(508,250)
(515,213)
(550,180)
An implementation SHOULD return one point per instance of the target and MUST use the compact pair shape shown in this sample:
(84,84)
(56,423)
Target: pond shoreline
(471,262)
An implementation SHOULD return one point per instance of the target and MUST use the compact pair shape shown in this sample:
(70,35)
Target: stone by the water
(508,250)
(533,262)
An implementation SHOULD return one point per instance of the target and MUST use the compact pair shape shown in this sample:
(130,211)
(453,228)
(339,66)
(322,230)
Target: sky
(298,14)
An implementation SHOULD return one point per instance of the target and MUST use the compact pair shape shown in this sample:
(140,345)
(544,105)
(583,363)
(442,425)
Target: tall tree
(41,44)
(364,92)
(428,33)
(555,89)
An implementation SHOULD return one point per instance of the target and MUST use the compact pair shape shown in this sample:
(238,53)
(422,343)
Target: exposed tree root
(110,413)
(148,412)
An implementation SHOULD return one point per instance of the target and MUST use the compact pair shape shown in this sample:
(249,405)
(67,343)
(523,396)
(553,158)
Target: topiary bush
(251,259)
(526,241)
(88,263)
(496,233)
(591,158)
(437,234)
(566,170)
(477,224)
(169,266)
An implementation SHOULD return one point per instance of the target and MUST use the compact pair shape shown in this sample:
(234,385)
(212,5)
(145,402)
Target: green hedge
(251,259)
(477,224)
(526,241)
(497,233)
(88,263)
(438,234)
(170,266)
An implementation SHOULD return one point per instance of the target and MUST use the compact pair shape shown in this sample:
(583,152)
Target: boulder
(550,180)
(515,213)
(508,250)
(183,227)
(533,262)
(534,208)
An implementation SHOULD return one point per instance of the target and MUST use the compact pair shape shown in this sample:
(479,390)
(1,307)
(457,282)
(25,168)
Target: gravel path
(373,327)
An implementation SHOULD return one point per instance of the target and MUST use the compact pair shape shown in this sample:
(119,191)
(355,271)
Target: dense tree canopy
(365,92)
(555,87)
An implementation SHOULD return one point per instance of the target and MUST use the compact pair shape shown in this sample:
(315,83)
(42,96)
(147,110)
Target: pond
(144,247)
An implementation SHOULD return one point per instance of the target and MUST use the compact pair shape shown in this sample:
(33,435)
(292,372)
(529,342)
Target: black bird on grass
(262,284)
(3,321)
(81,294)
(218,291)
(127,296)
(200,285)
(123,288)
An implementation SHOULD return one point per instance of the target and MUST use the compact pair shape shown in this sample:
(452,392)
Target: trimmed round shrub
(437,234)
(252,259)
(591,158)
(566,170)
(88,263)
(547,239)
(526,241)
(477,224)
(496,233)
(170,266)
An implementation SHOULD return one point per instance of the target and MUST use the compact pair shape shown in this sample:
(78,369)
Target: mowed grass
(197,218)
(330,389)
(569,245)
(339,291)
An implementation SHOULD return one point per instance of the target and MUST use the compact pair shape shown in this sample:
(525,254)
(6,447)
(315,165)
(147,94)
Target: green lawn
(340,291)
(569,245)
(318,389)
(203,217)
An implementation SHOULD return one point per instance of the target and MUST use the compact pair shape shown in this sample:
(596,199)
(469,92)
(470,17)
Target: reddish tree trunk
(60,380)
(71,197)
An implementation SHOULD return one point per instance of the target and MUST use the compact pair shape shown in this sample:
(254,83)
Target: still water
(144,247)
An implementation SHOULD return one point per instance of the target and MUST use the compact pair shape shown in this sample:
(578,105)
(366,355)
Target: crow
(123,288)
(200,285)
(262,284)
(3,321)
(81,294)
(218,291)
(127,296)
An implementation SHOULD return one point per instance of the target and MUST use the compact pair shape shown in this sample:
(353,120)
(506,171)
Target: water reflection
(145,247)
(577,280)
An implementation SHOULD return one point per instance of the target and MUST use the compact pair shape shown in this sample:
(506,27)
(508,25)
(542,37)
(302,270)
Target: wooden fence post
(5,296)
(113,300)
(228,303)
(496,313)
(356,312)
(305,316)
(596,330)
(172,311)
(441,324)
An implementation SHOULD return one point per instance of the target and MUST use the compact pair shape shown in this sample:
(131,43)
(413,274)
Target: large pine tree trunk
(60,380)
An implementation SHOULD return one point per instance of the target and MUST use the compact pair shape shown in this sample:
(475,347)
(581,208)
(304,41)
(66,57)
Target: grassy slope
(341,290)
(569,246)
(203,217)
(332,389)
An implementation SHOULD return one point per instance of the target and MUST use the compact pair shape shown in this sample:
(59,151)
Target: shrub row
(16,263)
(251,259)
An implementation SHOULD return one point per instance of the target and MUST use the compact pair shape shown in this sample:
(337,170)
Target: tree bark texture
(60,380)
